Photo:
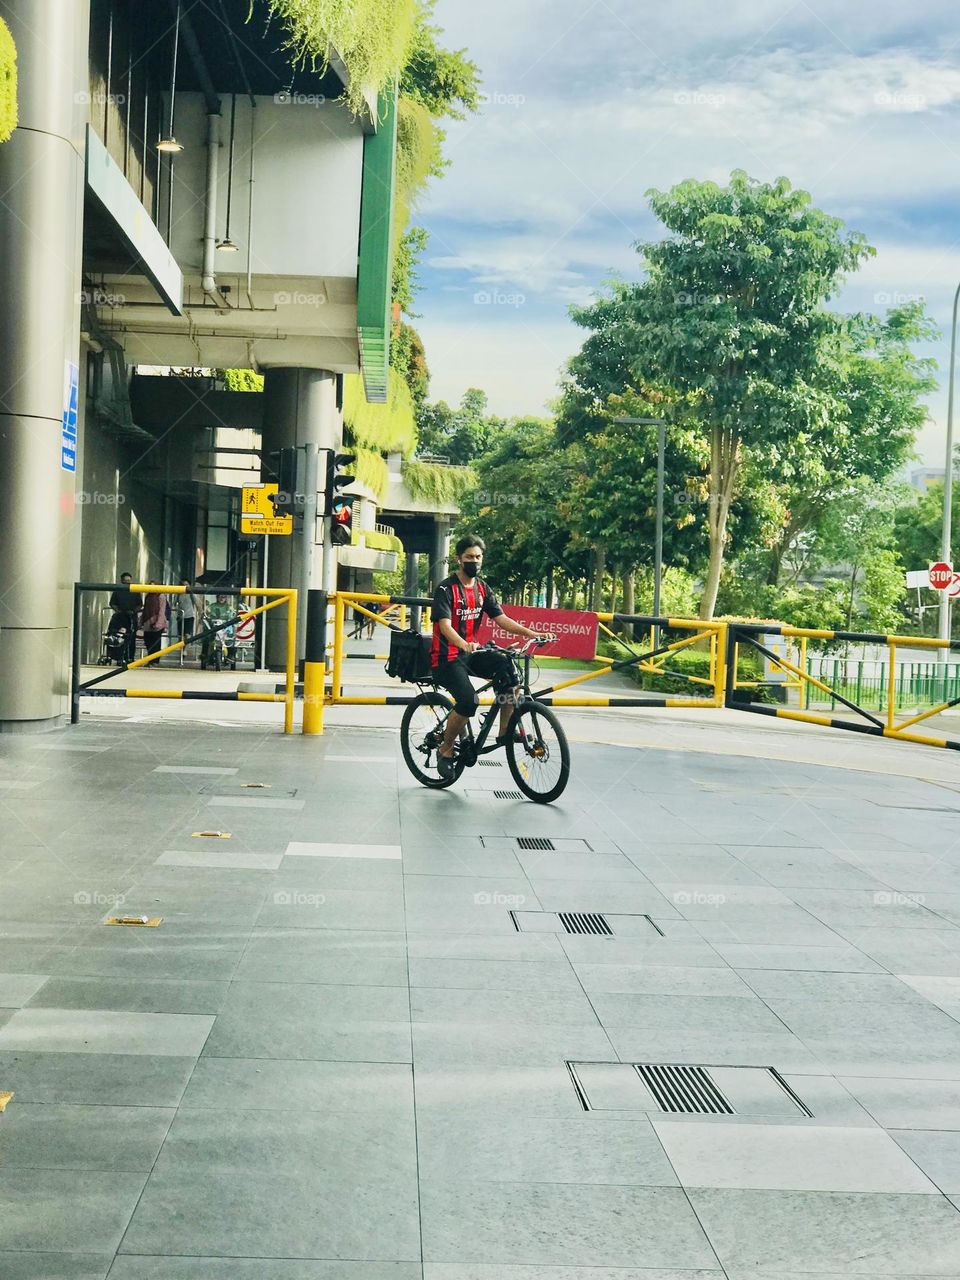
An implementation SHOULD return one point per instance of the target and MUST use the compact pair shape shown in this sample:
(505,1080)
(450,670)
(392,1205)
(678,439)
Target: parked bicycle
(537,750)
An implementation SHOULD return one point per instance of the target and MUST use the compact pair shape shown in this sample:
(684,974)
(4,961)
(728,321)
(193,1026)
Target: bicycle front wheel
(421,732)
(537,752)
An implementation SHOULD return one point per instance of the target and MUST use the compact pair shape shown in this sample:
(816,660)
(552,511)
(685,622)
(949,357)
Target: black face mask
(471,569)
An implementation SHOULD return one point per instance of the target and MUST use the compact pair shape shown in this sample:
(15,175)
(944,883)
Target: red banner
(576,632)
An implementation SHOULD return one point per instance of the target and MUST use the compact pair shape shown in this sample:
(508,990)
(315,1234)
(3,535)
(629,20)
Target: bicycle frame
(477,743)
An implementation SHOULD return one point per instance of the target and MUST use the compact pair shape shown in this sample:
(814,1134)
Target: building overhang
(138,241)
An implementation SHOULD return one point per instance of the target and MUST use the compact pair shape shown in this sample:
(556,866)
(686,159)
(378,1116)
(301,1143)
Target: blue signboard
(68,431)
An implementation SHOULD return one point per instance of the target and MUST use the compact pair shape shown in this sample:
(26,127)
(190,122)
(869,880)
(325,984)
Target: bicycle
(537,750)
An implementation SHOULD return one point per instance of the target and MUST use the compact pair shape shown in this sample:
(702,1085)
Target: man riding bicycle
(459,605)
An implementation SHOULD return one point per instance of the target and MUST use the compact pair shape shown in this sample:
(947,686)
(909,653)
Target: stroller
(114,648)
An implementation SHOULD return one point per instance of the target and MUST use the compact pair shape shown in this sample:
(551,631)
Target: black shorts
(455,676)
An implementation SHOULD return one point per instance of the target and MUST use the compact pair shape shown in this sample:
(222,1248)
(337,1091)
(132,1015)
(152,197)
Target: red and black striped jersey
(465,607)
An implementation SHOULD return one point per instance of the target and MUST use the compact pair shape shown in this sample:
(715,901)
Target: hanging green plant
(433,482)
(8,82)
(387,428)
(372,37)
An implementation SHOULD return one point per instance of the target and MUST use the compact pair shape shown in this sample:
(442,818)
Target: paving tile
(217,859)
(937,1153)
(120,995)
(443,1046)
(145,1268)
(530,1008)
(251,1185)
(66,1136)
(686,1012)
(477,1271)
(546,976)
(730,1047)
(808,1231)
(295,905)
(86,1031)
(114,1079)
(789,1158)
(662,980)
(845,958)
(194,768)
(54,1266)
(255,802)
(304,849)
(524,1091)
(870,988)
(580,1150)
(497,1223)
(336,957)
(54,1210)
(284,1020)
(17,988)
(260,1084)
(909,1104)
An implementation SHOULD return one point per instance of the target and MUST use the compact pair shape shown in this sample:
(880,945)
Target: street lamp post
(946,538)
(658,541)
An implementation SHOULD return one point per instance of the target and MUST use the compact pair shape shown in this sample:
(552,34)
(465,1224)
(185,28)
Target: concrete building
(176,200)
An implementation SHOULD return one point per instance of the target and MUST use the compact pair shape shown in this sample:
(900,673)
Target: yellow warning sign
(256,511)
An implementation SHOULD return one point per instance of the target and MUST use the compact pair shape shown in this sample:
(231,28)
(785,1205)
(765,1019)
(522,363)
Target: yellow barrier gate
(750,635)
(694,631)
(276,596)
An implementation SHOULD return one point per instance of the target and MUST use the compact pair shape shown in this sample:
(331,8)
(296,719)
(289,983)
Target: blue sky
(589,104)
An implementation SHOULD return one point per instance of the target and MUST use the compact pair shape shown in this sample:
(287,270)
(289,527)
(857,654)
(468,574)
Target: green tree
(461,435)
(878,384)
(731,318)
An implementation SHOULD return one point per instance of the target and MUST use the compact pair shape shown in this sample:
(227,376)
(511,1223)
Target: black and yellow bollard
(314,662)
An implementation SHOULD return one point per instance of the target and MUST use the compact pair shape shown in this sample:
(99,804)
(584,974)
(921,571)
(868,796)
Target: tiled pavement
(336,1063)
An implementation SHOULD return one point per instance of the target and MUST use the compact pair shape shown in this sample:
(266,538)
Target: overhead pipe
(208,279)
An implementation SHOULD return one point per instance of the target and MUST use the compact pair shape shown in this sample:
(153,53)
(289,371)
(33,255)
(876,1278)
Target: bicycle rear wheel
(540,760)
(421,731)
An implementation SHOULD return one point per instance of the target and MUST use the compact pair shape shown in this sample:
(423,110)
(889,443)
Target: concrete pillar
(300,408)
(441,553)
(411,577)
(41,208)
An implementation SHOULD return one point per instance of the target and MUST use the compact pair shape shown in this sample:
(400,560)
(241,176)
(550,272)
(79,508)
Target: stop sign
(941,575)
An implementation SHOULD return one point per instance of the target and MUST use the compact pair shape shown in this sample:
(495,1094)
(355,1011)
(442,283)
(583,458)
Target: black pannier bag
(409,656)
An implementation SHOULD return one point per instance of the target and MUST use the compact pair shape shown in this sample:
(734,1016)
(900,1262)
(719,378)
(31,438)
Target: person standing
(190,610)
(153,620)
(125,605)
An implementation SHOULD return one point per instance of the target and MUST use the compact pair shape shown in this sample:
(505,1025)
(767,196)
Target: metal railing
(275,598)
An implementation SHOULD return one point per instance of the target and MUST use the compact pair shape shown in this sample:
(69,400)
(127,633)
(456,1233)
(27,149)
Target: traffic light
(336,479)
(284,500)
(341,523)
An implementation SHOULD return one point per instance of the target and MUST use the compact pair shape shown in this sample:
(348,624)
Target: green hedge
(387,428)
(371,470)
(686,663)
(376,541)
(8,82)
(434,482)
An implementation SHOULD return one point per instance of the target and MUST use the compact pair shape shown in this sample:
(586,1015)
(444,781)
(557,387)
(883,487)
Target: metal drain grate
(684,1090)
(534,842)
(508,795)
(489,764)
(584,922)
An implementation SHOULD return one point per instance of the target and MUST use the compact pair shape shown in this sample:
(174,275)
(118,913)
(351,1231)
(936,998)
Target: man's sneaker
(445,765)
(503,739)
